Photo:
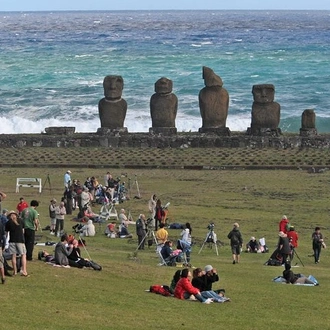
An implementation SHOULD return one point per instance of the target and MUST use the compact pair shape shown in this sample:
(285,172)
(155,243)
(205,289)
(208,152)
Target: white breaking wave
(134,124)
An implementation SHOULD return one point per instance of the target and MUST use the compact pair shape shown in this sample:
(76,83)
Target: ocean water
(52,64)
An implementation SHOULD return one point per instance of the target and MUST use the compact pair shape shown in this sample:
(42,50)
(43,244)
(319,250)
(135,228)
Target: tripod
(49,184)
(138,196)
(211,238)
(149,234)
(294,252)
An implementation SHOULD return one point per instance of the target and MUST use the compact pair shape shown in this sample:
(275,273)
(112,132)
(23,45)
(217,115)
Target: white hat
(68,171)
(208,268)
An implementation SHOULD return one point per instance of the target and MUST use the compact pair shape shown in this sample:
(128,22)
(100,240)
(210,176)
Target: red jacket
(22,206)
(283,225)
(293,238)
(184,285)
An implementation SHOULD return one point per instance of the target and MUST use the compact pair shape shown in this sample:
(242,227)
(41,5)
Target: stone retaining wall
(69,139)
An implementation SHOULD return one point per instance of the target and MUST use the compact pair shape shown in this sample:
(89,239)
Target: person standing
(185,242)
(60,212)
(22,205)
(30,219)
(318,242)
(67,179)
(159,214)
(284,224)
(236,243)
(52,215)
(2,197)
(152,208)
(14,227)
(141,231)
(284,246)
(2,247)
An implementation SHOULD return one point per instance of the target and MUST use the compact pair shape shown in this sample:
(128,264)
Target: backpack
(163,290)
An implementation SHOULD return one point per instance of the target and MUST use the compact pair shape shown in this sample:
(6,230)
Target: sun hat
(12,212)
(236,225)
(208,268)
(68,171)
(253,238)
(284,217)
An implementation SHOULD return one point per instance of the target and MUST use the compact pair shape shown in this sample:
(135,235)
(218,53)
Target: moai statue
(213,104)
(308,123)
(163,108)
(112,108)
(265,112)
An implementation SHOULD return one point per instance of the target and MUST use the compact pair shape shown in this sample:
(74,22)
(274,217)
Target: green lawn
(115,298)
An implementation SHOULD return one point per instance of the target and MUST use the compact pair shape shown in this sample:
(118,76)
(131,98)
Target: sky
(37,5)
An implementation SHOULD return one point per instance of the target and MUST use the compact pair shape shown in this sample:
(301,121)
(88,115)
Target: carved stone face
(163,86)
(263,93)
(113,87)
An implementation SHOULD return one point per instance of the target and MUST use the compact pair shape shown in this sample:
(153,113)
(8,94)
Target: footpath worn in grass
(115,298)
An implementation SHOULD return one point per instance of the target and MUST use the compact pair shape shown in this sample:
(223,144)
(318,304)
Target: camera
(210,226)
(149,221)
(77,228)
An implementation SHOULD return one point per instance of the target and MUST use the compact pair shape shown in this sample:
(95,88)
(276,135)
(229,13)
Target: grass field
(115,298)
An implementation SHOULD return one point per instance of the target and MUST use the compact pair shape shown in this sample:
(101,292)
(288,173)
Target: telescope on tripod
(211,238)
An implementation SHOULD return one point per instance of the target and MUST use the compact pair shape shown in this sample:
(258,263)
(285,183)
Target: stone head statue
(112,108)
(163,86)
(163,107)
(264,93)
(210,78)
(113,87)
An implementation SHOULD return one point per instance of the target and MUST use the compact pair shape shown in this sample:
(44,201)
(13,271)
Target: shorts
(236,249)
(53,221)
(1,259)
(17,248)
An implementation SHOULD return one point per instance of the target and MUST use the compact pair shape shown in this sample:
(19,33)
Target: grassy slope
(114,298)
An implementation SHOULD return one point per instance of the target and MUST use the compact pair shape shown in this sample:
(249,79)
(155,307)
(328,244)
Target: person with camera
(206,278)
(184,289)
(203,280)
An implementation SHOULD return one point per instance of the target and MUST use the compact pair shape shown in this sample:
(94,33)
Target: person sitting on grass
(76,260)
(88,229)
(124,233)
(110,230)
(199,282)
(185,290)
(62,251)
(252,245)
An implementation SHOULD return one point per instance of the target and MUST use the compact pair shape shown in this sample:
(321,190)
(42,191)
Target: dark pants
(141,239)
(317,252)
(29,236)
(59,225)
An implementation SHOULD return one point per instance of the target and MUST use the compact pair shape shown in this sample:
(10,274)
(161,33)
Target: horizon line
(111,10)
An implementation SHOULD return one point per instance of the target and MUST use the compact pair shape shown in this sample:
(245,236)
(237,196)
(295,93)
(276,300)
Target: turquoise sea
(52,64)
